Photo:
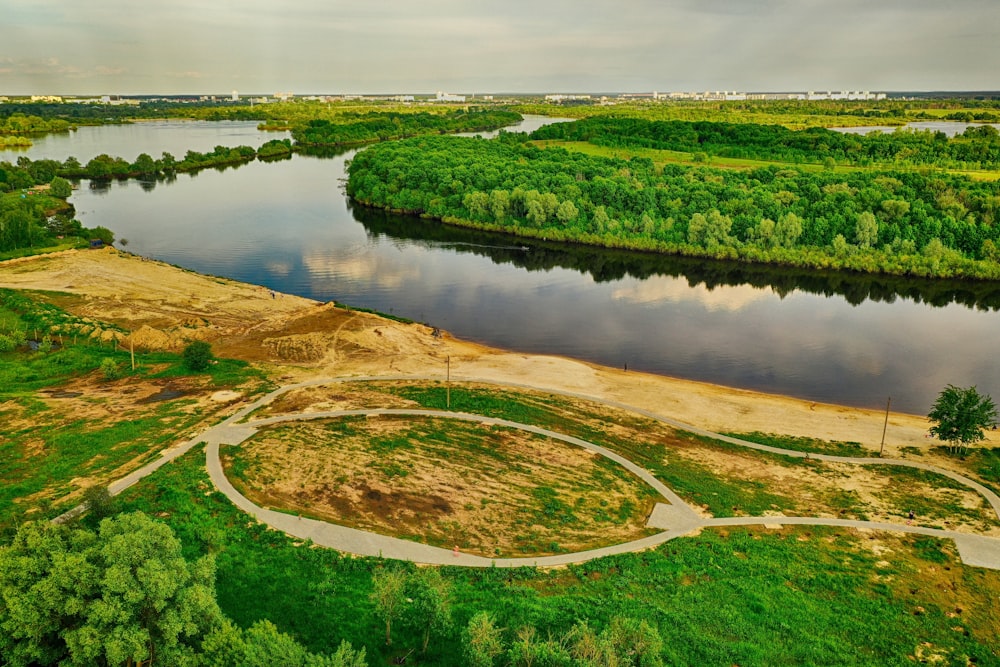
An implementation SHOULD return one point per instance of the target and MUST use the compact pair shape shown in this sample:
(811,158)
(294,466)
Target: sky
(95,47)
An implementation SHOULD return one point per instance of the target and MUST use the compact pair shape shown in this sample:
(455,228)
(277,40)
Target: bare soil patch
(491,491)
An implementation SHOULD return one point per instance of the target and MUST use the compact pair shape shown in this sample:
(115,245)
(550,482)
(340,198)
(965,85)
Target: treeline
(977,147)
(34,217)
(41,217)
(903,223)
(106,167)
(22,124)
(374,126)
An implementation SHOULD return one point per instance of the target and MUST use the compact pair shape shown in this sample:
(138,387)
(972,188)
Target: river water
(289,226)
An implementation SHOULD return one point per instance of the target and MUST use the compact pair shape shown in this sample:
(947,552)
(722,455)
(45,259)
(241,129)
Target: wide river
(289,226)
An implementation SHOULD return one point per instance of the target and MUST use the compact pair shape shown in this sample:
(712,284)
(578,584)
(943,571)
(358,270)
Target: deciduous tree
(961,416)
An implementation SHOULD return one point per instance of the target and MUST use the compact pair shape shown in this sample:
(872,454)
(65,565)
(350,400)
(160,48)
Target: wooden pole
(131,349)
(885,426)
(447,384)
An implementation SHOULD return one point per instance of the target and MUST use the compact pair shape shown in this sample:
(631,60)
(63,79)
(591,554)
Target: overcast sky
(484,46)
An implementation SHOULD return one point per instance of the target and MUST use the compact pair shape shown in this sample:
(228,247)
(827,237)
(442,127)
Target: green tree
(481,641)
(103,233)
(60,187)
(787,230)
(866,230)
(428,608)
(961,416)
(197,355)
(566,212)
(388,594)
(100,503)
(263,645)
(124,595)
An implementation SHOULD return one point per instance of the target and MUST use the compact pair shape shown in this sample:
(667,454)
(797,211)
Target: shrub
(7,343)
(197,355)
(110,369)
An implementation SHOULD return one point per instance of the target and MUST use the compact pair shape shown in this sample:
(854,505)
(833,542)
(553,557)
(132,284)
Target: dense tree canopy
(379,126)
(907,223)
(125,595)
(978,146)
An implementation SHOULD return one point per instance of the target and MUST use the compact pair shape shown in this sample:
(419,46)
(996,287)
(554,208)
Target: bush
(7,343)
(100,502)
(110,369)
(197,355)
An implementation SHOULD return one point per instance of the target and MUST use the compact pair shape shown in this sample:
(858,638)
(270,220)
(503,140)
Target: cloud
(589,45)
(675,290)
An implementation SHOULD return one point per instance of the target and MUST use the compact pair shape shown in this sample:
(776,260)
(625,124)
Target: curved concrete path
(675,519)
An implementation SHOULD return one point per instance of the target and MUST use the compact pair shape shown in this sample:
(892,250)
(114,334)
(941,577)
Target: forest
(887,221)
(976,148)
(373,126)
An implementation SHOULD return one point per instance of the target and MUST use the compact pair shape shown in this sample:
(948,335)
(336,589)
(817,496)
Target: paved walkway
(674,518)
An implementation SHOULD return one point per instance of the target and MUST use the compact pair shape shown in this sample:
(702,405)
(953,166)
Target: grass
(55,442)
(742,596)
(690,464)
(491,490)
(803,444)
(43,250)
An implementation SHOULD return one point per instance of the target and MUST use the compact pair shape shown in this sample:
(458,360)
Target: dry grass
(491,491)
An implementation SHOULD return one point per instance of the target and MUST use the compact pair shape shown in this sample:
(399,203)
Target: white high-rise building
(236,96)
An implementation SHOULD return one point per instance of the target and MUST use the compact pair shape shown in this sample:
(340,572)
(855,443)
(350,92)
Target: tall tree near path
(962,415)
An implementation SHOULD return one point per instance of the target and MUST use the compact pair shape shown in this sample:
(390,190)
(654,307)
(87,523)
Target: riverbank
(298,339)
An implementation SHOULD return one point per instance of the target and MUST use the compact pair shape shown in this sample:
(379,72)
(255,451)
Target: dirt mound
(309,347)
(148,338)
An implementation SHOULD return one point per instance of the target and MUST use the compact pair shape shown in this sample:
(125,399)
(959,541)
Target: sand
(298,339)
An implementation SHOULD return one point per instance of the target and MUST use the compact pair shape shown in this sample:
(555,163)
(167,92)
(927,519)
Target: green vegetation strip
(801,596)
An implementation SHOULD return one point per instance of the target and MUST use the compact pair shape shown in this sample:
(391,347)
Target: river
(289,226)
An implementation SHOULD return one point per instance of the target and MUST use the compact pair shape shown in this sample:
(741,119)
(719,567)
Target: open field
(719,478)
(491,491)
(726,596)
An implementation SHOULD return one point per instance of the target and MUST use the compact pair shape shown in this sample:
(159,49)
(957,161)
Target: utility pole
(885,426)
(447,384)
(131,349)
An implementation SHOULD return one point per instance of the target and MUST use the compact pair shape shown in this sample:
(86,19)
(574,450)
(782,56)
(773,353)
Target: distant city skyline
(58,47)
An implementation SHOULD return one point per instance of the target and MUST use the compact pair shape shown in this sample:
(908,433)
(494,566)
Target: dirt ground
(303,339)
(492,491)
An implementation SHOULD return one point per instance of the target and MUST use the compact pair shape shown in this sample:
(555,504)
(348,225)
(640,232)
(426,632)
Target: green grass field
(745,596)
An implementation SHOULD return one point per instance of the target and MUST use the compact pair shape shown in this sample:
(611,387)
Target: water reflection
(604,265)
(842,338)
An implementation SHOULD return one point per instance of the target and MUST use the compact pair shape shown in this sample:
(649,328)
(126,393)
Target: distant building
(46,98)
(562,97)
(284,97)
(236,96)
(448,97)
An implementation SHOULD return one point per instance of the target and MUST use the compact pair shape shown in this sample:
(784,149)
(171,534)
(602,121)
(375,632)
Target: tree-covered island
(891,211)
